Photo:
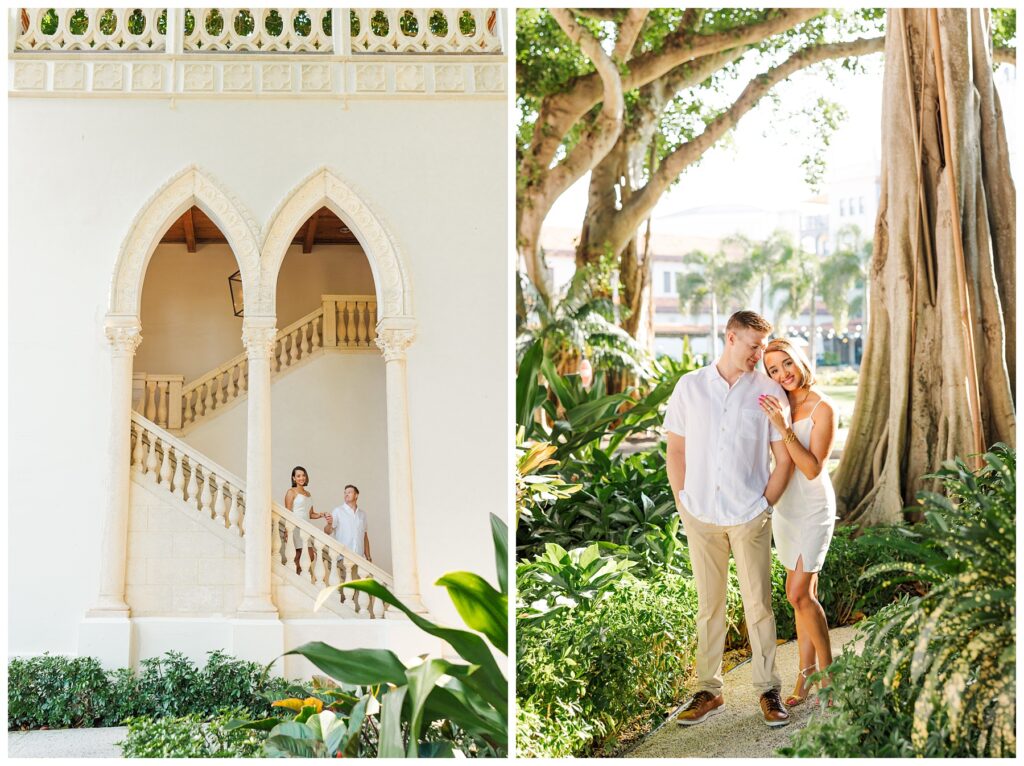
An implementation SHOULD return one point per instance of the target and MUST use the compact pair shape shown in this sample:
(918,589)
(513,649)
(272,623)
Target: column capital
(394,336)
(259,334)
(124,336)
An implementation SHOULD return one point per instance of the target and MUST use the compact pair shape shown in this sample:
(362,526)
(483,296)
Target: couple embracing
(723,420)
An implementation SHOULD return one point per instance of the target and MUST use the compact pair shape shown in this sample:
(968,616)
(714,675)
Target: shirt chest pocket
(751,424)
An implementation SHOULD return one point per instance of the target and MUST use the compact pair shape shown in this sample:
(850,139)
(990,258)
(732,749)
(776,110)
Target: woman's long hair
(795,353)
(299,468)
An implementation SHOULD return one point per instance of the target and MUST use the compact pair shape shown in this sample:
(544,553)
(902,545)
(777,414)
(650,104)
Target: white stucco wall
(435,171)
(188,327)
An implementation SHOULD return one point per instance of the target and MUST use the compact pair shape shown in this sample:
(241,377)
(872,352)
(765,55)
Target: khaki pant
(709,557)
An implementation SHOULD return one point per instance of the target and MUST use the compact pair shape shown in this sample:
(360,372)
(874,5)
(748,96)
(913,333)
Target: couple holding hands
(722,421)
(346,523)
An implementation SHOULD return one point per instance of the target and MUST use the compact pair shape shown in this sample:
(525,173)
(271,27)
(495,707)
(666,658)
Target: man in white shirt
(348,524)
(719,468)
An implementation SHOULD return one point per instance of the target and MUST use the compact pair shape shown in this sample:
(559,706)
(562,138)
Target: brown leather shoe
(700,707)
(773,712)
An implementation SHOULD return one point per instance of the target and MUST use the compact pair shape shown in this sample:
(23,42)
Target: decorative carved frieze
(29,76)
(147,77)
(316,78)
(409,78)
(370,77)
(489,78)
(68,76)
(238,77)
(276,77)
(108,77)
(198,77)
(449,78)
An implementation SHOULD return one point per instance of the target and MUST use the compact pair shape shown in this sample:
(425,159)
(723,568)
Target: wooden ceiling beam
(307,243)
(190,231)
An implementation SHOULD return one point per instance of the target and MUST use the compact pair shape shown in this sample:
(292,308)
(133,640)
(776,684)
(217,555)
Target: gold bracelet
(790,436)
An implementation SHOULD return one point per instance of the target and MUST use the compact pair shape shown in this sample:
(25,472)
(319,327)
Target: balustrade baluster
(137,451)
(326,560)
(236,381)
(192,488)
(350,327)
(240,505)
(151,462)
(362,309)
(371,602)
(297,345)
(282,539)
(217,507)
(340,566)
(233,514)
(223,378)
(307,337)
(179,475)
(244,375)
(162,394)
(206,495)
(372,321)
(200,400)
(354,575)
(165,466)
(187,408)
(150,410)
(316,337)
(213,393)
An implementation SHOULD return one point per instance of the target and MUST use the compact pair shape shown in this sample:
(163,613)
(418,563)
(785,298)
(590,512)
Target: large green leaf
(499,531)
(361,667)
(291,740)
(527,387)
(452,702)
(469,645)
(421,683)
(390,744)
(481,607)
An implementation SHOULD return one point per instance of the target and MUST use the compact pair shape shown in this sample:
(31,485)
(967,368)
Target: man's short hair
(352,486)
(749,319)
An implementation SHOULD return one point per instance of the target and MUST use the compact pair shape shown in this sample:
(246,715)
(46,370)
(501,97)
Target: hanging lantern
(235,286)
(586,373)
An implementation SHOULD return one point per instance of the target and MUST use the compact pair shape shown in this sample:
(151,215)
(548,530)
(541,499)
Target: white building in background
(259,246)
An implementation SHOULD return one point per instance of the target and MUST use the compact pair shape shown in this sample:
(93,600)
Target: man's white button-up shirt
(727,436)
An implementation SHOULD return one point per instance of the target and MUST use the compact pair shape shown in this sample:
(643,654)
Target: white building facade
(351,182)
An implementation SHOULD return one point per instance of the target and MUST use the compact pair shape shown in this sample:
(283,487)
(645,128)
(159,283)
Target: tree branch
(628,32)
(637,208)
(560,111)
(546,186)
(1003,55)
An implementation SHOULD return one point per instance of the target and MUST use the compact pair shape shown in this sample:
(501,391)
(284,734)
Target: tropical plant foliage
(383,706)
(937,675)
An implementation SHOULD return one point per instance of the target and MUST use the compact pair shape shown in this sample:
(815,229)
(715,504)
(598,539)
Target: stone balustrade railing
(351,322)
(215,389)
(167,463)
(260,30)
(153,394)
(331,562)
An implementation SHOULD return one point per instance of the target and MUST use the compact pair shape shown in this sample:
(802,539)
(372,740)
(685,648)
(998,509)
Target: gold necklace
(795,406)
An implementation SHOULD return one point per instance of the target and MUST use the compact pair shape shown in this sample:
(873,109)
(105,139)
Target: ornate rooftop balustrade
(260,30)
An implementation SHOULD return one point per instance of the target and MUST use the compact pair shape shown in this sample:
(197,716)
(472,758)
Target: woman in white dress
(300,502)
(805,515)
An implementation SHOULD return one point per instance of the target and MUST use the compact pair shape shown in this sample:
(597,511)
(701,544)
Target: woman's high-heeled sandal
(796,699)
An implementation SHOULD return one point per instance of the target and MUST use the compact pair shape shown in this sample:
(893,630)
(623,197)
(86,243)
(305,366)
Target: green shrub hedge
(69,692)
(191,736)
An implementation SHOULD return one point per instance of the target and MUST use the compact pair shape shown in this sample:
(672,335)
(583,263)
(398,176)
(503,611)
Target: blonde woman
(804,516)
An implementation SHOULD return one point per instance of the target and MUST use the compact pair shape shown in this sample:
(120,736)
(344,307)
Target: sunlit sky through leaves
(759,163)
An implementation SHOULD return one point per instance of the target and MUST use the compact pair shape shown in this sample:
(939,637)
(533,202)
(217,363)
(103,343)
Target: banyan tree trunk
(913,407)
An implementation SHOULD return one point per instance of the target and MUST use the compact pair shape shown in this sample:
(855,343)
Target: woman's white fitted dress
(300,507)
(805,515)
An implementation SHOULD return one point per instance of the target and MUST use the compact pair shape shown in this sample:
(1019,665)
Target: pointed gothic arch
(189,187)
(324,188)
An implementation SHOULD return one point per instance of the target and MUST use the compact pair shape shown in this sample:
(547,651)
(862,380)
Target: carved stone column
(258,334)
(124,336)
(394,336)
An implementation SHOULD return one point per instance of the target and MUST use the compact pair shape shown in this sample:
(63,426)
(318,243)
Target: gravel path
(738,732)
(66,743)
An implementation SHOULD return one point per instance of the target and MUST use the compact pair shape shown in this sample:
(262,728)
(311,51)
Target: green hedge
(191,736)
(585,675)
(69,692)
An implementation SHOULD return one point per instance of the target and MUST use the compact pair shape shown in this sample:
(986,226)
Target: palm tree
(576,323)
(722,281)
(797,286)
(767,260)
(843,271)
